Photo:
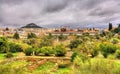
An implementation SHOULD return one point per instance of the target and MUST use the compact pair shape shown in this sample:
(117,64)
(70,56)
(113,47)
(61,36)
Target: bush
(110,34)
(4,46)
(75,43)
(107,49)
(45,41)
(95,66)
(97,36)
(29,51)
(115,41)
(9,55)
(31,41)
(117,54)
(62,65)
(91,49)
(60,50)
(73,56)
(62,37)
(47,50)
(14,67)
(37,51)
(95,50)
(15,48)
(112,57)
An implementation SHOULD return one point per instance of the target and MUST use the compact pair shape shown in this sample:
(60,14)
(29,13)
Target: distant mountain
(31,25)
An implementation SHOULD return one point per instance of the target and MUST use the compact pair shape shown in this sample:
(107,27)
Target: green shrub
(97,36)
(81,64)
(45,41)
(75,43)
(95,50)
(107,49)
(14,67)
(60,50)
(62,65)
(117,54)
(28,51)
(47,50)
(9,55)
(112,57)
(15,48)
(115,41)
(103,33)
(73,56)
(89,48)
(37,51)
(4,46)
(95,66)
(31,41)
(62,37)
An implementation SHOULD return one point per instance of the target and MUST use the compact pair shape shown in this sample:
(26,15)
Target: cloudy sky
(48,12)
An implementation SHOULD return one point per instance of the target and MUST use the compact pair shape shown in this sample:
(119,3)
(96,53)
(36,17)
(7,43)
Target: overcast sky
(47,12)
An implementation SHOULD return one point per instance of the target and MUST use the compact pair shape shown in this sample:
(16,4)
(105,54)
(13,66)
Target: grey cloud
(11,2)
(100,12)
(47,12)
(106,9)
(90,4)
(55,6)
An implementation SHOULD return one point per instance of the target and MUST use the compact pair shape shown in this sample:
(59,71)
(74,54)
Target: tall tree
(16,35)
(110,26)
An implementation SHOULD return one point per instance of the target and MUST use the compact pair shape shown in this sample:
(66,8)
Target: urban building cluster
(40,31)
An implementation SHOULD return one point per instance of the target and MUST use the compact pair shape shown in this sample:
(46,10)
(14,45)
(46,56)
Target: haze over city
(17,13)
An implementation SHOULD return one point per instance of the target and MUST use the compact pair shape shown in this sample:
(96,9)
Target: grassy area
(63,71)
(20,63)
(2,55)
(47,67)
(16,67)
(115,39)
(44,68)
(117,63)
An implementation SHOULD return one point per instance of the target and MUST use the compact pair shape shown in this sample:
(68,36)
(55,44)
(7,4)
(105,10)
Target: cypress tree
(110,26)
